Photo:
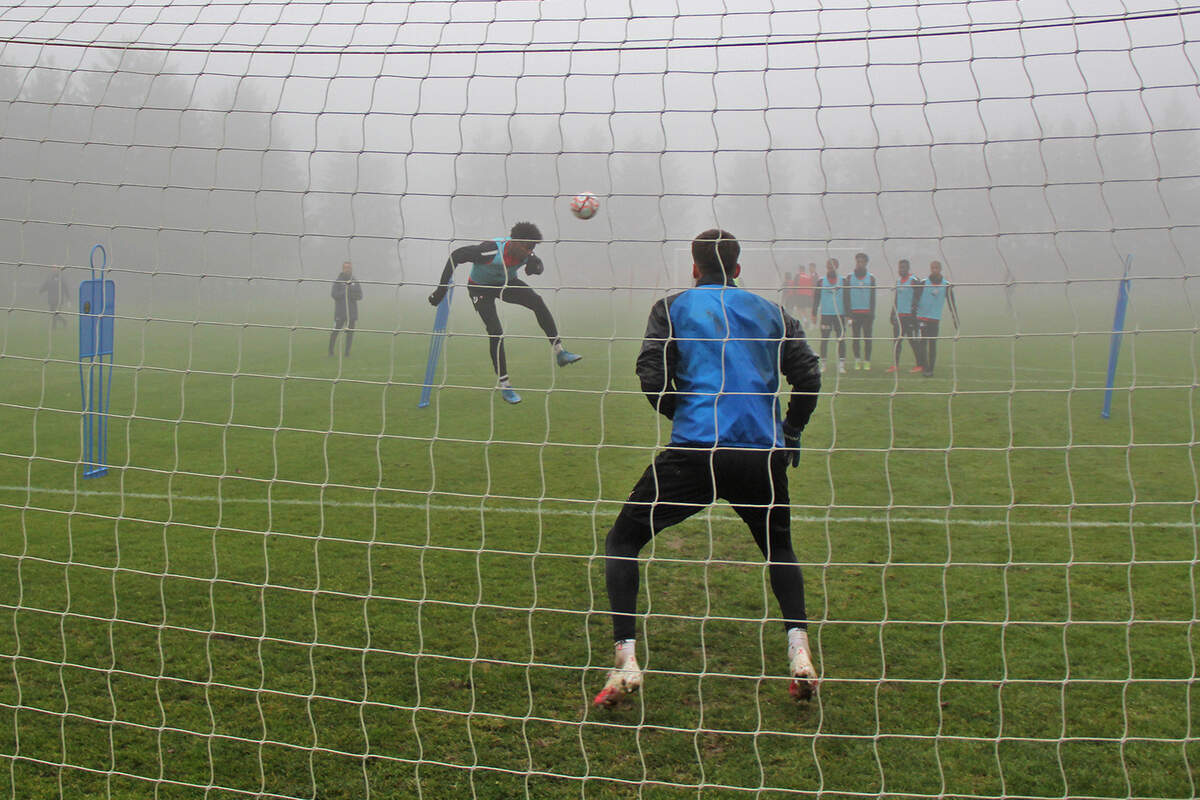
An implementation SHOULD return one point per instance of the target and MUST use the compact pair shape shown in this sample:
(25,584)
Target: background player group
(844,305)
(839,304)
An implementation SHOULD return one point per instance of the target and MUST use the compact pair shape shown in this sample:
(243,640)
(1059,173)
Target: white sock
(624,649)
(797,640)
(504,384)
(558,348)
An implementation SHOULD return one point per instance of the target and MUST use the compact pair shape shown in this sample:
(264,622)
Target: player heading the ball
(710,363)
(494,277)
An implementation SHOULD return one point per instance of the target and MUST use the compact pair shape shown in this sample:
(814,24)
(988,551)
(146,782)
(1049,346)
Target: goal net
(294,583)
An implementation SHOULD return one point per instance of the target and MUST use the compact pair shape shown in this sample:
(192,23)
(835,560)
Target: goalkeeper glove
(436,297)
(534,266)
(791,445)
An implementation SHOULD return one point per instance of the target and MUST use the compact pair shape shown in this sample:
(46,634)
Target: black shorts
(517,292)
(684,480)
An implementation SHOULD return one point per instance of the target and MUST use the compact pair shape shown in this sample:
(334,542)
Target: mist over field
(1040,158)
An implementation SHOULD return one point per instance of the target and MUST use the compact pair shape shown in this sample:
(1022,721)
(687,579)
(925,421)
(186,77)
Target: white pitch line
(1083,372)
(569,512)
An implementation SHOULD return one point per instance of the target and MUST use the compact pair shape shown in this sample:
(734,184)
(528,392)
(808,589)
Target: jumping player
(494,277)
(710,362)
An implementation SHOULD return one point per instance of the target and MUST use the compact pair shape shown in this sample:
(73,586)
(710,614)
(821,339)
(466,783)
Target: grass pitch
(295,584)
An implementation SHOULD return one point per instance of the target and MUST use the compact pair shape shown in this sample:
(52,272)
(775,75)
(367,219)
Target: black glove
(791,445)
(533,265)
(436,297)
(666,406)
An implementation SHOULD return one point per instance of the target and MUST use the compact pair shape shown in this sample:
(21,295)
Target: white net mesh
(294,583)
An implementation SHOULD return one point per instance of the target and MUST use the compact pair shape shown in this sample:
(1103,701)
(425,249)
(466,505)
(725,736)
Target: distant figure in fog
(935,294)
(346,292)
(55,289)
(829,302)
(860,303)
(904,316)
(802,290)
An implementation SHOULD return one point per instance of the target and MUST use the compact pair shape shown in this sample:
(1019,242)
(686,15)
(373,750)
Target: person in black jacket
(346,292)
(710,362)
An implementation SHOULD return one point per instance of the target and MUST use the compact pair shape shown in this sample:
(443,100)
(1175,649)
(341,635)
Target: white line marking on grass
(1080,373)
(569,512)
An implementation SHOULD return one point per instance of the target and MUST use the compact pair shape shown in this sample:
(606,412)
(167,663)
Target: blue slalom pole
(440,320)
(97,304)
(1114,348)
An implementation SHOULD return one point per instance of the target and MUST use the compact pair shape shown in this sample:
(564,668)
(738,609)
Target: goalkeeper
(710,362)
(494,277)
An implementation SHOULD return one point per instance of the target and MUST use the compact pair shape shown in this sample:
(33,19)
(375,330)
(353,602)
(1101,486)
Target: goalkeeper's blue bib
(728,342)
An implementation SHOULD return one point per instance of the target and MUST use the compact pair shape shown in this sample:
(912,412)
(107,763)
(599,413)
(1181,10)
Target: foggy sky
(387,133)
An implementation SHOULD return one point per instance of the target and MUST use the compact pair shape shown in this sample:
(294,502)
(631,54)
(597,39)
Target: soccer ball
(585,205)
